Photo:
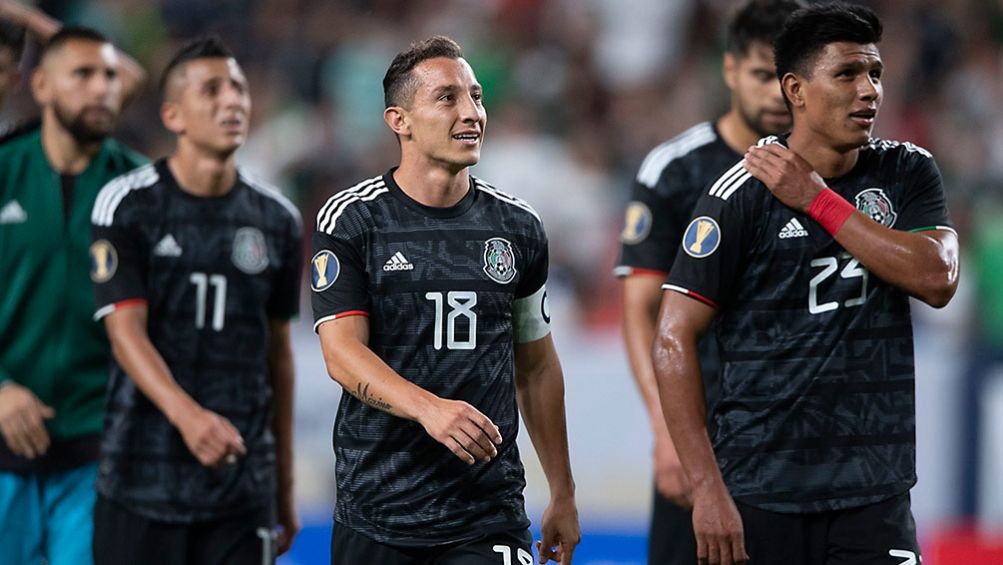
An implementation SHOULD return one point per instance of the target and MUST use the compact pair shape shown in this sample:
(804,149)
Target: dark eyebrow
(859,65)
(446,89)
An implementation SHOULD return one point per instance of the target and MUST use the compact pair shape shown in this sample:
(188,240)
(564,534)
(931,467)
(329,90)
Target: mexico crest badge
(874,203)
(499,260)
(250,254)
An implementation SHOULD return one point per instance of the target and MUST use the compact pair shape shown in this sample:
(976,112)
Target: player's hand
(560,531)
(718,527)
(468,433)
(211,438)
(289,523)
(671,479)
(22,421)
(789,177)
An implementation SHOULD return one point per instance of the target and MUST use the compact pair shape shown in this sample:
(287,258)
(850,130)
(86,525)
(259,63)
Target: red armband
(830,210)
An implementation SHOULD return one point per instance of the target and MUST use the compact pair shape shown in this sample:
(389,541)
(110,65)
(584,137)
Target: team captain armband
(830,210)
(531,316)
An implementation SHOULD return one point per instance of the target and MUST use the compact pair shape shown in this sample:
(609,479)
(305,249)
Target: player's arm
(282,375)
(467,432)
(717,524)
(539,385)
(43,27)
(924,264)
(210,437)
(642,294)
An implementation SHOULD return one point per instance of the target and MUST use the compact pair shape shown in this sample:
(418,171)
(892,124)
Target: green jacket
(49,341)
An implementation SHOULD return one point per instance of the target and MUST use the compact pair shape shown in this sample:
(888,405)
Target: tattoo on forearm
(362,393)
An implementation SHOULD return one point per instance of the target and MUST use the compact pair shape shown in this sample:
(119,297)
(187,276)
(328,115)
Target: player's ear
(793,86)
(40,89)
(728,70)
(396,119)
(170,114)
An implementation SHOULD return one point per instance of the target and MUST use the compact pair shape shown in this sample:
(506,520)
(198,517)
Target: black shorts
(122,537)
(883,533)
(349,547)
(670,539)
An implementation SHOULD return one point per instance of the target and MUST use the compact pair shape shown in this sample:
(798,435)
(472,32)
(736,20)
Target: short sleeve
(530,310)
(338,280)
(284,301)
(924,205)
(538,265)
(653,226)
(714,244)
(117,255)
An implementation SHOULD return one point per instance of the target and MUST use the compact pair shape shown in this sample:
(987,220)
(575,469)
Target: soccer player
(197,271)
(805,255)
(666,188)
(429,295)
(54,357)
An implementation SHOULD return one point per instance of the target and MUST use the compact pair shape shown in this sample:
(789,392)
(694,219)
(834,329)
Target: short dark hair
(12,37)
(72,33)
(809,30)
(758,21)
(398,84)
(205,47)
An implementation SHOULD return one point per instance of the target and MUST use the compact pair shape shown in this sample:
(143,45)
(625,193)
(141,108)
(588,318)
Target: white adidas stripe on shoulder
(507,198)
(271,191)
(115,191)
(887,144)
(341,195)
(365,191)
(680,145)
(735,177)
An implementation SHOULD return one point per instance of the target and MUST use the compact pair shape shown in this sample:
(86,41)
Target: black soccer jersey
(213,272)
(666,188)
(817,407)
(448,292)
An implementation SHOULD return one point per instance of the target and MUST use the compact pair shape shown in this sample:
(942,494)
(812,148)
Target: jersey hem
(108,309)
(624,271)
(690,294)
(935,228)
(320,321)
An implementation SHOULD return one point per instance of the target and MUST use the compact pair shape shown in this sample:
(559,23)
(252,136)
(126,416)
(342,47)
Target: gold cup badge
(324,272)
(703,234)
(104,261)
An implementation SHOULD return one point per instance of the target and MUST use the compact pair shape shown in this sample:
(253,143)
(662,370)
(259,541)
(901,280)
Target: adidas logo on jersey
(13,213)
(793,229)
(398,263)
(168,247)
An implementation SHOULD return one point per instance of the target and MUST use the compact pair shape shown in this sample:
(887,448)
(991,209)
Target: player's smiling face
(212,107)
(842,97)
(446,120)
(752,78)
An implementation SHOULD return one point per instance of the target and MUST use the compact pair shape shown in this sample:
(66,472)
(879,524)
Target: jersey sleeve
(924,206)
(530,311)
(653,225)
(715,242)
(117,256)
(285,298)
(338,278)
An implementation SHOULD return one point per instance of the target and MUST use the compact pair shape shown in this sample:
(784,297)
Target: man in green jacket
(53,355)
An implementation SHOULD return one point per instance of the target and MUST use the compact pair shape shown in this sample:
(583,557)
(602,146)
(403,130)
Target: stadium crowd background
(577,92)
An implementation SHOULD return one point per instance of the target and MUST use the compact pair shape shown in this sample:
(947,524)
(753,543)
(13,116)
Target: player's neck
(735,133)
(433,186)
(829,162)
(202,175)
(66,155)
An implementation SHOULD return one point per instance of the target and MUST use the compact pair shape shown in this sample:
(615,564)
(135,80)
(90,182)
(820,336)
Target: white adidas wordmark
(398,263)
(167,247)
(793,228)
(13,213)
